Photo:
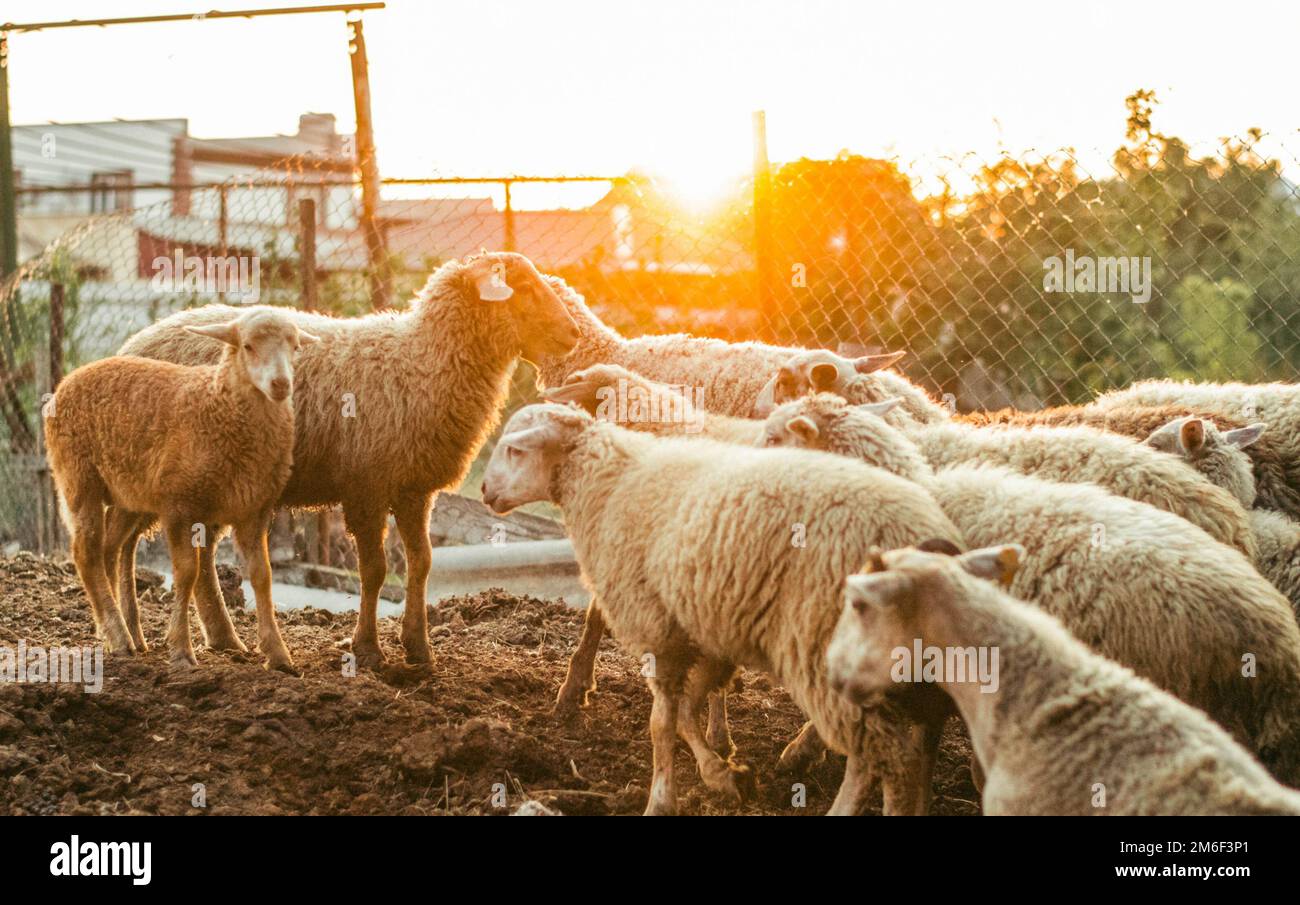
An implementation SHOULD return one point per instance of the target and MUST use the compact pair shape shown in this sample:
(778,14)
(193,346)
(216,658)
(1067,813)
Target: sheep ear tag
(492,285)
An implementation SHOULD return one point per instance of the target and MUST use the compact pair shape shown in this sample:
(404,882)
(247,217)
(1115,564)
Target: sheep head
(1216,454)
(816,371)
(521,303)
(805,423)
(263,343)
(904,597)
(533,445)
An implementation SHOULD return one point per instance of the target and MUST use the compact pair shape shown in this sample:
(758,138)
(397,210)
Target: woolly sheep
(859,380)
(1266,455)
(1065,731)
(393,407)
(1220,456)
(729,376)
(1137,584)
(708,556)
(189,446)
(1276,404)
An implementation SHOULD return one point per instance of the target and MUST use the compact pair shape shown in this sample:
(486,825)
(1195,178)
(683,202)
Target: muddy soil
(472,734)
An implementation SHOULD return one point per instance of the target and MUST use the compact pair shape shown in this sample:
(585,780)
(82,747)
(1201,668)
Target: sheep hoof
(284,665)
(182,661)
(119,643)
(368,655)
(418,654)
(141,646)
(570,701)
(734,781)
(720,741)
(803,751)
(231,643)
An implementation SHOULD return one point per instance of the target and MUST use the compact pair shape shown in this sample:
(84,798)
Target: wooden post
(307,252)
(381,289)
(762,217)
(8,205)
(509,239)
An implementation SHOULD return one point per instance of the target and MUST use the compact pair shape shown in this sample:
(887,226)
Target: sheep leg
(804,750)
(580,680)
(735,781)
(719,732)
(926,735)
(851,799)
(185,572)
(251,537)
(412,516)
(367,527)
(663,737)
(88,554)
(123,532)
(214,619)
(977,774)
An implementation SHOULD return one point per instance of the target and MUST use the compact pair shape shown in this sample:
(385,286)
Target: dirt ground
(431,740)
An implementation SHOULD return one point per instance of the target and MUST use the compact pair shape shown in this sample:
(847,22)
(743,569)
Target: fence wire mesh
(1018,280)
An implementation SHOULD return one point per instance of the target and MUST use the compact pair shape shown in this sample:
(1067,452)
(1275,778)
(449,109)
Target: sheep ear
(228,333)
(530,438)
(1244,436)
(490,280)
(869,363)
(823,376)
(307,338)
(994,563)
(576,391)
(880,409)
(804,428)
(1191,435)
(875,560)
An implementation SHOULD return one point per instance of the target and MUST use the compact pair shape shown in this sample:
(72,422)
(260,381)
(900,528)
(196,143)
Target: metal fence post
(762,217)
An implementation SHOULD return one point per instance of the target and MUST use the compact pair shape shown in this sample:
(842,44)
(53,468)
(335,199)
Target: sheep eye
(248,347)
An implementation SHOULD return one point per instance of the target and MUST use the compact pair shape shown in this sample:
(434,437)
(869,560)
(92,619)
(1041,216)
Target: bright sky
(568,87)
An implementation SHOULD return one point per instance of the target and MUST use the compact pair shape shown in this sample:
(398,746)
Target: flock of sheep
(1130,568)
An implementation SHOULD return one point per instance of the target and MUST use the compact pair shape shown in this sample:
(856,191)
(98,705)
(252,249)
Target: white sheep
(705,555)
(859,380)
(729,376)
(1122,465)
(1137,584)
(195,447)
(393,408)
(1061,730)
(1221,457)
(1276,404)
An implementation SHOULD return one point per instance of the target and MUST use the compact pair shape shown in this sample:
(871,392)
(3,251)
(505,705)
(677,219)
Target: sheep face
(816,371)
(263,343)
(906,595)
(1216,454)
(522,304)
(533,446)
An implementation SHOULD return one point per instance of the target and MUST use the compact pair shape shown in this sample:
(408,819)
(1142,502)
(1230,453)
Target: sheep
(393,407)
(1060,729)
(709,556)
(1221,457)
(859,380)
(614,393)
(1266,453)
(191,446)
(1276,404)
(1138,584)
(728,375)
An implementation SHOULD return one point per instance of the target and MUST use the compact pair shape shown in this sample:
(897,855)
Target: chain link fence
(1018,280)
